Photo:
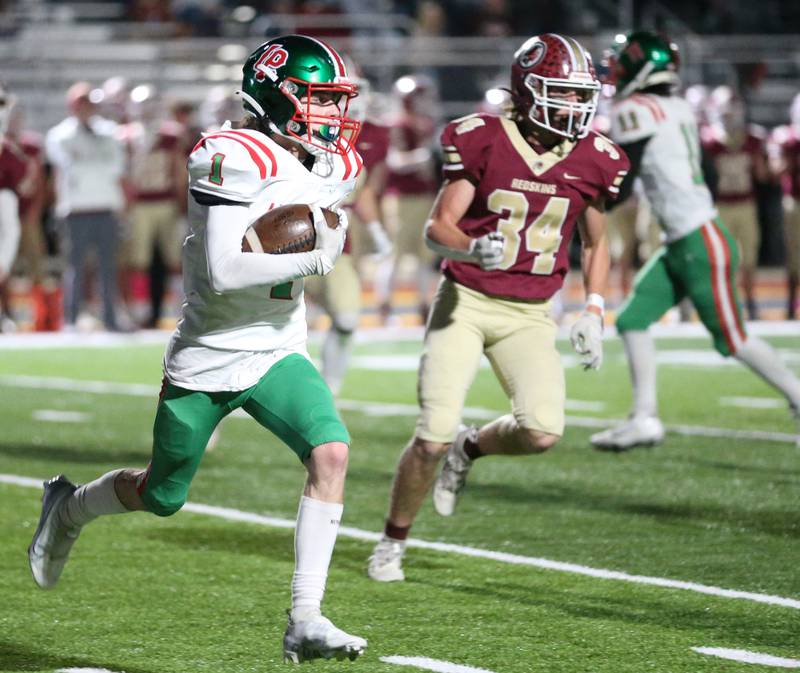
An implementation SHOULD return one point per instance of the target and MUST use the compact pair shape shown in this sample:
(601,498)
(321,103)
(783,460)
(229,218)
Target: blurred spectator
(493,18)
(197,18)
(89,162)
(149,11)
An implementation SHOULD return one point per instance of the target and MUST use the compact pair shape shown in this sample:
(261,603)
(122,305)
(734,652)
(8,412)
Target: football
(285,230)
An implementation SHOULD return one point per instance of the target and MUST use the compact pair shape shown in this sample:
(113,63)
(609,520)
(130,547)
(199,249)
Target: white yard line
(59,416)
(33,340)
(749,657)
(83,670)
(753,402)
(433,665)
(390,409)
(230,514)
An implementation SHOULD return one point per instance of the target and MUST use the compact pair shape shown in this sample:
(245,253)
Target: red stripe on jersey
(262,167)
(716,289)
(359,160)
(738,326)
(264,148)
(347,167)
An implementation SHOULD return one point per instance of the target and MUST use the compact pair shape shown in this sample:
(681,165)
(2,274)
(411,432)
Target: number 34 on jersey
(533,199)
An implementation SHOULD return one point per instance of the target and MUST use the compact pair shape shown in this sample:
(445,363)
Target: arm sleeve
(231,269)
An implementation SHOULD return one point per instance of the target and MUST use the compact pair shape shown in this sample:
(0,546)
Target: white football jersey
(228,341)
(670,171)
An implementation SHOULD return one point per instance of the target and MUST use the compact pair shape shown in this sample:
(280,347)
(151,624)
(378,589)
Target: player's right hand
(488,250)
(330,242)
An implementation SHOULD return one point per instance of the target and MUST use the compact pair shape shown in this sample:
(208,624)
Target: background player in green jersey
(699,259)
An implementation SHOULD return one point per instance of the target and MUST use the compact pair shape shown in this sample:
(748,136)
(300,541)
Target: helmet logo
(534,56)
(273,58)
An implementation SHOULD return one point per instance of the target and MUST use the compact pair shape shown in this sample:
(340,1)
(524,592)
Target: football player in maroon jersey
(515,188)
(785,156)
(16,182)
(411,186)
(157,190)
(738,152)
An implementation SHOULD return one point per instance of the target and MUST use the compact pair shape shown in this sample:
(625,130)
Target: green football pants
(291,400)
(702,266)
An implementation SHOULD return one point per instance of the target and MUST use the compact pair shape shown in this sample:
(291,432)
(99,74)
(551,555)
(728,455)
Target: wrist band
(597,300)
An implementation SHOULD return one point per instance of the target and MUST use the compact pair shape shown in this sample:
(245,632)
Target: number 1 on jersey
(543,236)
(215,174)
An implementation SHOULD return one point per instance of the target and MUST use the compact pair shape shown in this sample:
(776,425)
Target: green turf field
(195,592)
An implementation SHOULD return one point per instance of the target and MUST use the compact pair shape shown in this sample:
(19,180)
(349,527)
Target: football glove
(330,242)
(587,339)
(488,250)
(380,241)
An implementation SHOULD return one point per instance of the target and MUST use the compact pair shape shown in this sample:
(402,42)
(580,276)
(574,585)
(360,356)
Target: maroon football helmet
(553,84)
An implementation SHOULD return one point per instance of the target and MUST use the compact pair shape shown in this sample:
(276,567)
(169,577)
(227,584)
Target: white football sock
(335,357)
(641,353)
(314,538)
(91,500)
(764,361)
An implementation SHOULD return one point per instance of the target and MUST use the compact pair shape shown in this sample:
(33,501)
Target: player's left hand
(587,339)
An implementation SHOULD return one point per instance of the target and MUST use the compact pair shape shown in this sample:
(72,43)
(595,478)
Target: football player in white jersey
(699,260)
(241,341)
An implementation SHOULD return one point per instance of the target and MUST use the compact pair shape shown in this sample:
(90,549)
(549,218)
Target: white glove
(587,339)
(380,240)
(330,242)
(488,250)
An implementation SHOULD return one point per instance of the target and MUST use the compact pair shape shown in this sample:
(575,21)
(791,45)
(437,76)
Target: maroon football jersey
(13,167)
(788,143)
(373,144)
(153,161)
(734,160)
(421,180)
(533,199)
(32,147)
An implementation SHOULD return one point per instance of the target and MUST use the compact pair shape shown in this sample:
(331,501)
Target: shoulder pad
(231,165)
(635,118)
(465,142)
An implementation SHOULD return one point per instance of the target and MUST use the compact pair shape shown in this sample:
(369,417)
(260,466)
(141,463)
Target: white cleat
(318,638)
(636,431)
(52,541)
(385,564)
(454,473)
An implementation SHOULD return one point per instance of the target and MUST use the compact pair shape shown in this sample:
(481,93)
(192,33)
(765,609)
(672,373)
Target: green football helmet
(643,59)
(284,77)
